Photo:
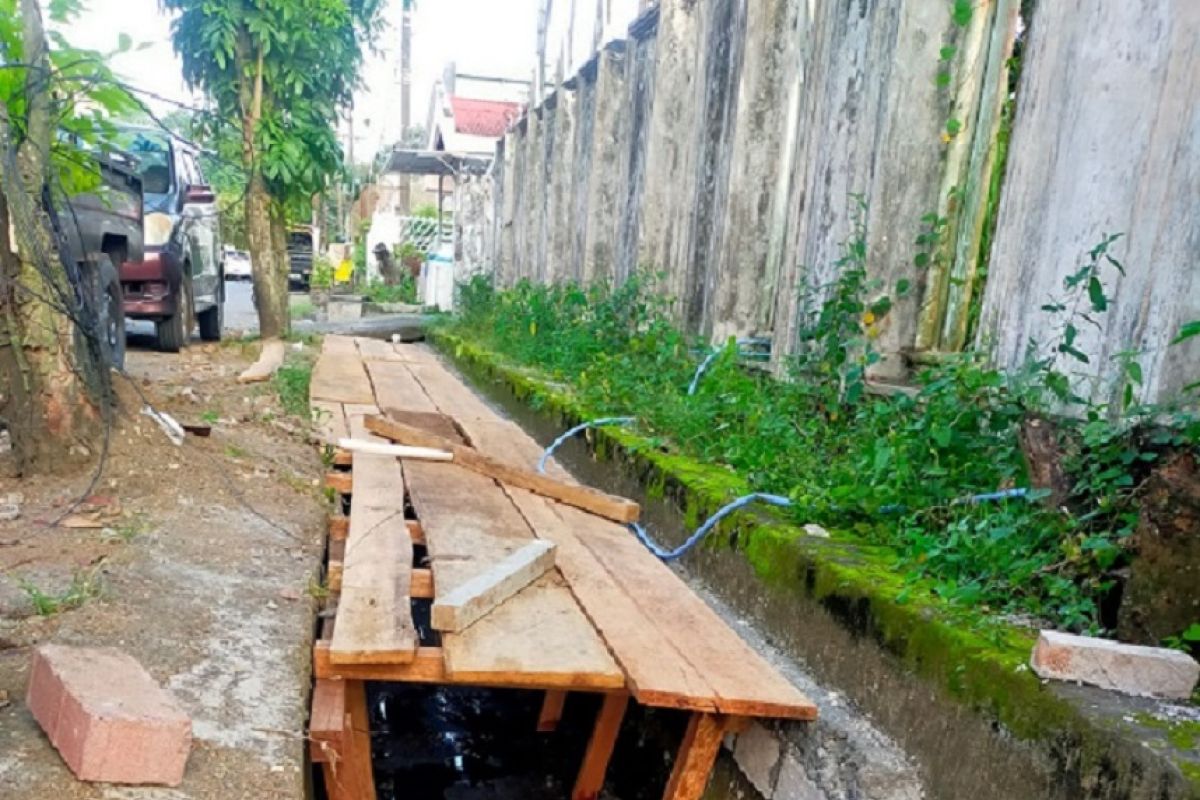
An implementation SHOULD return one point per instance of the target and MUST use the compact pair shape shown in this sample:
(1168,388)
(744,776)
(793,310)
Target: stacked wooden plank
(608,617)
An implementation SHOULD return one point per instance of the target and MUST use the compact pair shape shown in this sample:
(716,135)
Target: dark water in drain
(443,743)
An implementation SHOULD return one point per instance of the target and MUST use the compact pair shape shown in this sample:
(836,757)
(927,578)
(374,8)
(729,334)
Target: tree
(280,70)
(55,387)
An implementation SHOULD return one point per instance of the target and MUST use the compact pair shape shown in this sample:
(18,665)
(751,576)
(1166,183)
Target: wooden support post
(552,711)
(600,747)
(697,755)
(353,778)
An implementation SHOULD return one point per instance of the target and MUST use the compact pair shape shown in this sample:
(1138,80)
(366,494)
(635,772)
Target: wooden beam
(552,711)
(429,667)
(600,747)
(327,725)
(340,482)
(343,458)
(339,527)
(596,502)
(697,755)
(416,531)
(356,780)
(422,585)
(456,610)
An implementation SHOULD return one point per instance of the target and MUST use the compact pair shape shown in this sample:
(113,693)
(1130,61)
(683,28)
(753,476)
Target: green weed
(84,586)
(291,385)
(898,470)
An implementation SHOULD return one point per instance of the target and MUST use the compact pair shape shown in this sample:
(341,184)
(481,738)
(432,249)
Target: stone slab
(1129,669)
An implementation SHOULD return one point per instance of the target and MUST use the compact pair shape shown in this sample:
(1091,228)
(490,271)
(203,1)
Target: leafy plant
(907,471)
(84,586)
(404,291)
(291,385)
(322,273)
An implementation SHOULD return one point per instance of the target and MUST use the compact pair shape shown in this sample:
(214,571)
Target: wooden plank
(329,421)
(451,395)
(618,509)
(552,711)
(656,672)
(741,681)
(600,747)
(343,458)
(374,617)
(376,349)
(396,389)
(697,755)
(339,375)
(457,610)
(537,638)
(506,441)
(416,353)
(415,531)
(469,523)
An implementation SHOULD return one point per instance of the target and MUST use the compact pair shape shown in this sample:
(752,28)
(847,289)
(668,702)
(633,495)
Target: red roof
(483,117)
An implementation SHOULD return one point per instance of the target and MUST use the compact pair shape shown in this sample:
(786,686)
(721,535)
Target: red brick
(110,721)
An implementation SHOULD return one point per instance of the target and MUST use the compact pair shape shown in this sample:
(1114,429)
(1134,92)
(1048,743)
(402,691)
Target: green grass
(84,586)
(291,384)
(403,292)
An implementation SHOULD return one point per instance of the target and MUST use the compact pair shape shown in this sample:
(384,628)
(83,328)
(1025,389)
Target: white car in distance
(237,265)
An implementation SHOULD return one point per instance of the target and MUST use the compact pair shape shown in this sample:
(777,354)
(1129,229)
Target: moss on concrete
(978,660)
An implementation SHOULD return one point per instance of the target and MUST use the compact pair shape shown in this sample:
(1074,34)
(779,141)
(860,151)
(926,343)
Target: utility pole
(406,96)
(543,23)
(571,36)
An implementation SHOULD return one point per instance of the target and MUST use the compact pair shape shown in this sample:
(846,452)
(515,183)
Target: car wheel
(175,331)
(212,320)
(111,313)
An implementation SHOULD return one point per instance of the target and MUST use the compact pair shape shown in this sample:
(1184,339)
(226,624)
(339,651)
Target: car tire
(175,331)
(111,313)
(212,320)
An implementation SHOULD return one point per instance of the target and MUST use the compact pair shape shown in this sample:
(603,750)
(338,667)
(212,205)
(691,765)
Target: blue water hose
(695,539)
(596,423)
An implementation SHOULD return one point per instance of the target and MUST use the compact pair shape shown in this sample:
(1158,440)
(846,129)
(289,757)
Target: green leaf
(1097,296)
(1188,331)
(953,127)
(947,53)
(962,13)
(943,79)
(124,42)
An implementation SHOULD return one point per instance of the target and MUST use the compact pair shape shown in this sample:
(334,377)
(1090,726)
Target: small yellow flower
(868,318)
(946,138)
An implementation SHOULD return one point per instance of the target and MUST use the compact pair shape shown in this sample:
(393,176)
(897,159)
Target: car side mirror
(199,194)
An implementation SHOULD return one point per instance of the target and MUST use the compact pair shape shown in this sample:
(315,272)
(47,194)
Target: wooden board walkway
(609,617)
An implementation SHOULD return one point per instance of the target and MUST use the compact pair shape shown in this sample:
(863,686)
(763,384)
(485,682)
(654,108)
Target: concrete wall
(1108,138)
(737,146)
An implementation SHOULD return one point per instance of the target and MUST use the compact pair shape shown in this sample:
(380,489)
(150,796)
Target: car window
(153,153)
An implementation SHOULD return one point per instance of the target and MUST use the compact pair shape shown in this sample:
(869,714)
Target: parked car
(300,257)
(179,284)
(100,231)
(237,265)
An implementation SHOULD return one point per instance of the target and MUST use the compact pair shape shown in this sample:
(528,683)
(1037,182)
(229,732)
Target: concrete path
(205,580)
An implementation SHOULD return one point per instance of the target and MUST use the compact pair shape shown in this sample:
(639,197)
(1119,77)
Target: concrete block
(757,753)
(793,782)
(1125,668)
(108,718)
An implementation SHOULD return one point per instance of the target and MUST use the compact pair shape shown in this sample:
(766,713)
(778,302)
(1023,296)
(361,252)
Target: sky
(495,37)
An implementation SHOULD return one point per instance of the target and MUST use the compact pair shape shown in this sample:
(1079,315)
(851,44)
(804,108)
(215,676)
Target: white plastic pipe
(397,450)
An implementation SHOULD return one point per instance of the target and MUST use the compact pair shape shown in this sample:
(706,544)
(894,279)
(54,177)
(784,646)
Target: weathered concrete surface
(605,168)
(635,122)
(743,296)
(474,226)
(1106,140)
(210,593)
(560,185)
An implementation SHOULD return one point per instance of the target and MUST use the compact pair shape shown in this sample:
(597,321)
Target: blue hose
(706,528)
(597,423)
(707,362)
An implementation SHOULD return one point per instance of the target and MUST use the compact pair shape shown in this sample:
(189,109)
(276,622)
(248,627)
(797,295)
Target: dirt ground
(201,561)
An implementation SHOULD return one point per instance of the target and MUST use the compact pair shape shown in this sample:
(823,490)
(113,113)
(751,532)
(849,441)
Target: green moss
(1182,734)
(980,661)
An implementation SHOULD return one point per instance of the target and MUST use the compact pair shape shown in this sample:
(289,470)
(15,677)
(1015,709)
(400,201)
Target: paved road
(240,316)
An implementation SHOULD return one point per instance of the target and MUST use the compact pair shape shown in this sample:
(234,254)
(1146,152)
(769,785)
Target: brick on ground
(107,717)
(1126,668)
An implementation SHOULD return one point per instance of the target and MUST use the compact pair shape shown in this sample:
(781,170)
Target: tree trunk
(50,414)
(270,267)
